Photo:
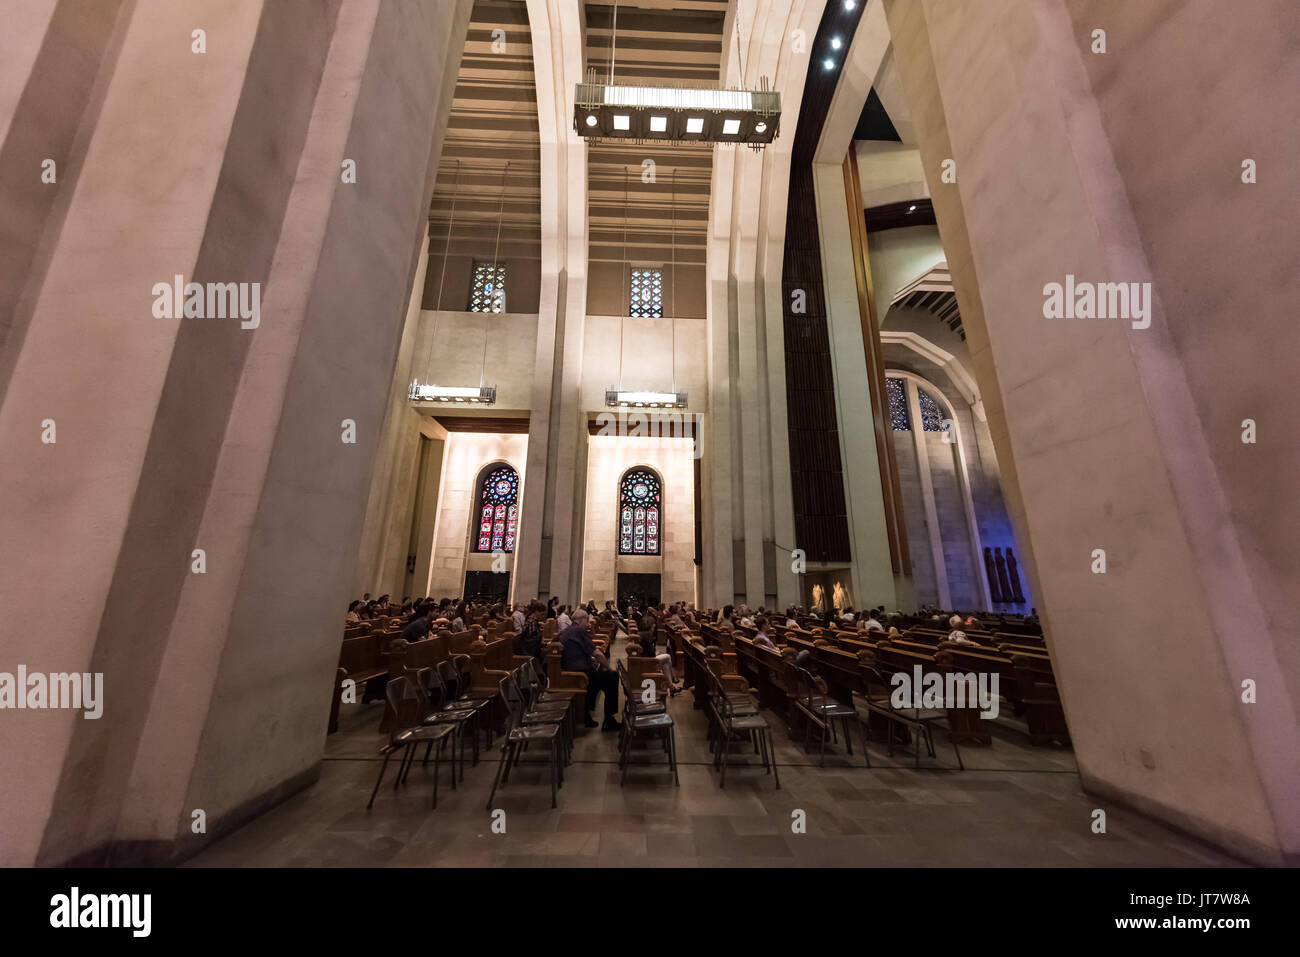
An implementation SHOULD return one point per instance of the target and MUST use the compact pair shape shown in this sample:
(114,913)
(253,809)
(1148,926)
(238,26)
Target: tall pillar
(177,434)
(551,533)
(1121,439)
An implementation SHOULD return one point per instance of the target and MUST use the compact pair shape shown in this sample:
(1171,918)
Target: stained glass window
(488,293)
(931,415)
(498,510)
(898,418)
(639,513)
(647,293)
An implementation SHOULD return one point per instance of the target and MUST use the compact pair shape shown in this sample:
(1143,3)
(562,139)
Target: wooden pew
(360,659)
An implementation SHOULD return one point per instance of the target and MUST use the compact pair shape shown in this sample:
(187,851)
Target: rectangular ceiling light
(670,114)
(452,393)
(645,400)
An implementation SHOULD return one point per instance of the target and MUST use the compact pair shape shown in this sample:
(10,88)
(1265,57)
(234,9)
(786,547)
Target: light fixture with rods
(483,394)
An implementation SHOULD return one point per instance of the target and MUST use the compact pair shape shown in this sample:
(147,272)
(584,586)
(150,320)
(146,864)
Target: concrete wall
(608,458)
(462,348)
(609,288)
(451,278)
(466,455)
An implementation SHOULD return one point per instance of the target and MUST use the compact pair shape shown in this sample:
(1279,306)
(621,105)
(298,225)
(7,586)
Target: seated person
(665,662)
(727,624)
(578,653)
(419,627)
(353,617)
(763,639)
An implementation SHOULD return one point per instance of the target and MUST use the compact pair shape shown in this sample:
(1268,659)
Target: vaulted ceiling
(659,43)
(493,122)
(654,217)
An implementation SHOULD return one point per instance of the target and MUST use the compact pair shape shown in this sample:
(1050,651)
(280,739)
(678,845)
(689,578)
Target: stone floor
(1014,805)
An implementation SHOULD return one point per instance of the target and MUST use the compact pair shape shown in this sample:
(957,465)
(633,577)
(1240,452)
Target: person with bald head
(578,652)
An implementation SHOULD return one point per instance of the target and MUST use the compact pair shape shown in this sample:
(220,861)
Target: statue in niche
(1003,584)
(1014,575)
(990,570)
(819,599)
(841,597)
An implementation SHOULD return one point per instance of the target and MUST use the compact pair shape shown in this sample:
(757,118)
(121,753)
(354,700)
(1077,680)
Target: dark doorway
(487,586)
(641,590)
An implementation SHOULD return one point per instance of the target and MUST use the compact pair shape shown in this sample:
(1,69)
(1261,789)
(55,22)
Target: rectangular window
(647,300)
(488,292)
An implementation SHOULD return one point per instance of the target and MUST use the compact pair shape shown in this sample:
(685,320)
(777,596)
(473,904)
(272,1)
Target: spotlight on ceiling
(836,43)
(671,114)
(645,400)
(849,4)
(828,63)
(911,209)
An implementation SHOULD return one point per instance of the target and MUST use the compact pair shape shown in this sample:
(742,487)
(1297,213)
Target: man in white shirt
(872,625)
(518,618)
(563,620)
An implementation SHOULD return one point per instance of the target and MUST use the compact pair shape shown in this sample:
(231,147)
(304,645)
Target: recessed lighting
(828,64)
(760,127)
(849,4)
(591,119)
(911,209)
(622,122)
(695,124)
(730,127)
(658,124)
(836,43)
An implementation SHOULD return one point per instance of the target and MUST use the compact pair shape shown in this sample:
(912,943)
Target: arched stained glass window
(898,417)
(640,513)
(498,510)
(931,415)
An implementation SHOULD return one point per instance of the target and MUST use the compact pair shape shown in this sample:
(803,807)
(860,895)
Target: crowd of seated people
(419,619)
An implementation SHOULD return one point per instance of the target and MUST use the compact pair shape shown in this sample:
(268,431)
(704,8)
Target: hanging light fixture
(618,398)
(654,114)
(484,394)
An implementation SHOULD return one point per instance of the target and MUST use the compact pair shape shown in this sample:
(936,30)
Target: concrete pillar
(1127,439)
(195,433)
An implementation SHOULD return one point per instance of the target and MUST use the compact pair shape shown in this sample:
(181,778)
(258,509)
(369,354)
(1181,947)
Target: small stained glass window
(898,417)
(931,415)
(498,511)
(640,513)
(647,293)
(488,292)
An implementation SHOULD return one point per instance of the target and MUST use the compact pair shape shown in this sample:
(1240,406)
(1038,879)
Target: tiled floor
(1014,805)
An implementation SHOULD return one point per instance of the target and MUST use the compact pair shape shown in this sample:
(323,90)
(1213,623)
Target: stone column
(200,433)
(1124,435)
